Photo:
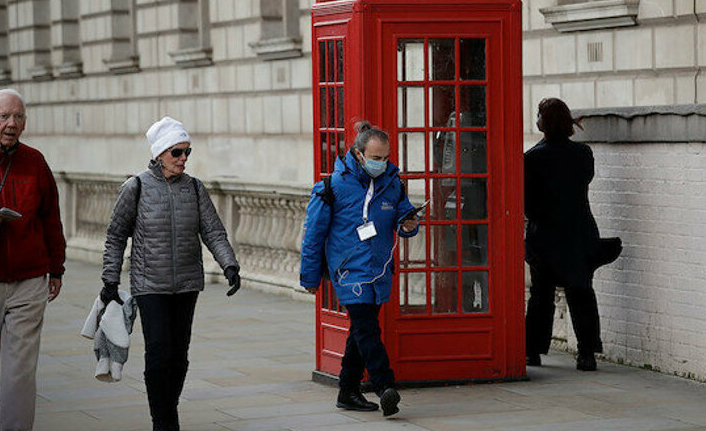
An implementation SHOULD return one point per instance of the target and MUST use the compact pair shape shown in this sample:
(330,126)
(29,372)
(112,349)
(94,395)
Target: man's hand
(54,288)
(410,224)
(312,290)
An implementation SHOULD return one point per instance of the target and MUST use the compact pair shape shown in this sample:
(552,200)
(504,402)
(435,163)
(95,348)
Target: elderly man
(32,249)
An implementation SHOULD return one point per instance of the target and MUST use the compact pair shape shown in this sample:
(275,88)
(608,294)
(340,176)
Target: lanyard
(7,170)
(368,198)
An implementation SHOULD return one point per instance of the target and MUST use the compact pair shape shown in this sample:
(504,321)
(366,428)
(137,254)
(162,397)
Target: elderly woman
(165,211)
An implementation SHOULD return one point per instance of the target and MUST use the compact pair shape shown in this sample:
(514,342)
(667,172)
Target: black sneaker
(389,400)
(533,360)
(354,400)
(586,362)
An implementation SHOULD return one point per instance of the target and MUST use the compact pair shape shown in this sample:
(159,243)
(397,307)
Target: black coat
(562,236)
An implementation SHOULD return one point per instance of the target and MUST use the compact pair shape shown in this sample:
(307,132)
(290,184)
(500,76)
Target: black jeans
(166,326)
(540,314)
(364,350)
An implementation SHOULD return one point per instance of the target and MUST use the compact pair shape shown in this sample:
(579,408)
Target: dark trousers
(540,314)
(364,350)
(166,326)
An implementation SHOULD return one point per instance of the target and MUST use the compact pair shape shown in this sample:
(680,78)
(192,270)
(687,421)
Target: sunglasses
(177,152)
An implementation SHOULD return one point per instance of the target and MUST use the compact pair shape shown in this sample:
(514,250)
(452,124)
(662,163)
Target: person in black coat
(562,236)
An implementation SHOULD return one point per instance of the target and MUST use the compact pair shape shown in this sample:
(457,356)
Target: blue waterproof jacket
(353,263)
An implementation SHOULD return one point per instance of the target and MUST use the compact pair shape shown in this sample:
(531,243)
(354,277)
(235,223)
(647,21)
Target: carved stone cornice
(592,15)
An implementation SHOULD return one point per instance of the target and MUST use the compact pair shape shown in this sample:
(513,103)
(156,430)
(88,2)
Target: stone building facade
(97,73)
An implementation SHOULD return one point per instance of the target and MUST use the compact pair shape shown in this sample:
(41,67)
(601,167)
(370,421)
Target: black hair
(554,118)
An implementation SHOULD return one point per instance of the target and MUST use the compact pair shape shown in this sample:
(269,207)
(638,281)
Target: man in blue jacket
(350,227)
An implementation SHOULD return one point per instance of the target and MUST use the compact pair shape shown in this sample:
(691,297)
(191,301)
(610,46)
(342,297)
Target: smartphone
(415,211)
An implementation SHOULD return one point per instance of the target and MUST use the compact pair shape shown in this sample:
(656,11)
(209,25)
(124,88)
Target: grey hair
(15,93)
(366,132)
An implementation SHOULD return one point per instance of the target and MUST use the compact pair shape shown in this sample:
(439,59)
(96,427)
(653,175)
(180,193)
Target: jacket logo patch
(185,190)
(386,206)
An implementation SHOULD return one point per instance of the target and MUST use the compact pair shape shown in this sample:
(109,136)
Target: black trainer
(586,362)
(389,400)
(354,400)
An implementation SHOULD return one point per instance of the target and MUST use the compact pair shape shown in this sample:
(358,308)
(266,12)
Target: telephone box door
(445,90)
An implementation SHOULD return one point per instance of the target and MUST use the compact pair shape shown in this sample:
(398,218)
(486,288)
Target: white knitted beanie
(164,134)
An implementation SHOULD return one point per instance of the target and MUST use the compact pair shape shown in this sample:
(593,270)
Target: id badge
(366,231)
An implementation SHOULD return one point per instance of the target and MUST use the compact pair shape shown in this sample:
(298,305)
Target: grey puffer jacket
(165,225)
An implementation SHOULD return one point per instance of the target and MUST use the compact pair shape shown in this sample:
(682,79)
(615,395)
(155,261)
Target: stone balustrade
(264,224)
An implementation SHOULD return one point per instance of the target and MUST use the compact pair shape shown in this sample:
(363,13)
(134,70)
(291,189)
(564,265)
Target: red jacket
(33,245)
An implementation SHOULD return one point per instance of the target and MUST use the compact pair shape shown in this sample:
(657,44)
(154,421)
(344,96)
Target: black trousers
(364,350)
(540,314)
(166,326)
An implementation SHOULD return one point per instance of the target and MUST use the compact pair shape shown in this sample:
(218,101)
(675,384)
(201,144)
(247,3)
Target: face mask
(375,168)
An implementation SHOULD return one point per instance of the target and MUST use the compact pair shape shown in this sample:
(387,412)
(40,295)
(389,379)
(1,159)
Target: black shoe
(389,400)
(354,400)
(586,362)
(533,360)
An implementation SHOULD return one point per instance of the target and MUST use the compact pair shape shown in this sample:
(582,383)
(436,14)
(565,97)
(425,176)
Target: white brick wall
(652,300)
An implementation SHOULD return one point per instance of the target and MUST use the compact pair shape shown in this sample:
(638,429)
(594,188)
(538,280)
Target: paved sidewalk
(251,362)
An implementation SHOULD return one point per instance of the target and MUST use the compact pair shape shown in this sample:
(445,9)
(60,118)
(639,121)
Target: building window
(279,30)
(29,26)
(579,15)
(123,40)
(194,34)
(66,49)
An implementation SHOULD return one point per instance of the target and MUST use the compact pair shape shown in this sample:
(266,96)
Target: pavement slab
(251,361)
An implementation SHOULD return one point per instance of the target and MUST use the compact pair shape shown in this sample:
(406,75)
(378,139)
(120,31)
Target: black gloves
(110,293)
(233,276)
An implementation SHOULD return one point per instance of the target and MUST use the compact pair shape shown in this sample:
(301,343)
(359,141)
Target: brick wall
(652,300)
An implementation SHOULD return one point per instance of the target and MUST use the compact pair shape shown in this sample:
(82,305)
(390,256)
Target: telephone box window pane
(473,153)
(442,59)
(410,106)
(339,107)
(322,107)
(442,103)
(340,137)
(475,291)
(332,150)
(474,199)
(474,244)
(411,150)
(413,251)
(330,55)
(416,190)
(443,246)
(472,59)
(331,108)
(413,293)
(443,199)
(444,288)
(445,152)
(339,60)
(324,156)
(410,60)
(473,106)
(322,61)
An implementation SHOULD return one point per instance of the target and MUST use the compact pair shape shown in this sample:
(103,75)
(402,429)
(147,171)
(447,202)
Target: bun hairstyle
(366,132)
(554,119)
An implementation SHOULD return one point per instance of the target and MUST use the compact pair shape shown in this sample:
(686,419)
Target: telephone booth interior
(443,78)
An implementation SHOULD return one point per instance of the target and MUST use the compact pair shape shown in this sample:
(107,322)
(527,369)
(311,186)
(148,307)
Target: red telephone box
(444,78)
